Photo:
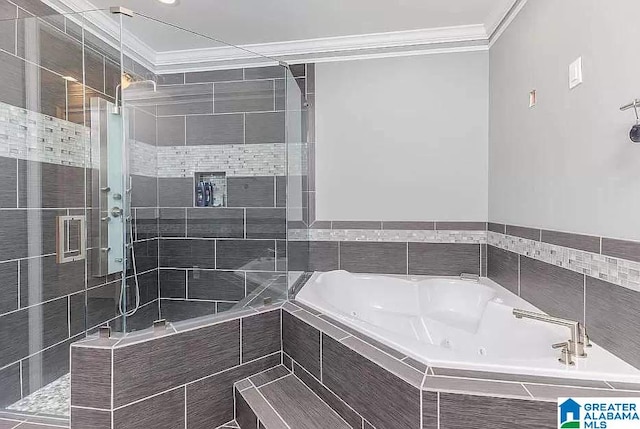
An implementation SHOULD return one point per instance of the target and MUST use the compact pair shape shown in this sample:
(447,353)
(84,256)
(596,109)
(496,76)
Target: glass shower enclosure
(136,186)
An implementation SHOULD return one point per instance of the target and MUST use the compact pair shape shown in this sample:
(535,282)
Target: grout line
(527,390)
(185,407)
(271,381)
(186,384)
(269,404)
(323,385)
(322,400)
(321,343)
(438,408)
(240,341)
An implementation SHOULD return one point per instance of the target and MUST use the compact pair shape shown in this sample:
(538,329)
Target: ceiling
(243,22)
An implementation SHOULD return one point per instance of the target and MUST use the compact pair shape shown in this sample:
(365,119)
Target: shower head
(126,81)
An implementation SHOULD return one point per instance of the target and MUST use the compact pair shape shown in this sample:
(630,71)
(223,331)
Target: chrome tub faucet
(574,347)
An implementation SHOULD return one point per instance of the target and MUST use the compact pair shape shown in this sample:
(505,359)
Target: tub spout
(579,339)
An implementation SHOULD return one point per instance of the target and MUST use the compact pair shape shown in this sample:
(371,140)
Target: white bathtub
(453,323)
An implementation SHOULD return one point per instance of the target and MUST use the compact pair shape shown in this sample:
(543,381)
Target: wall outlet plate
(575,73)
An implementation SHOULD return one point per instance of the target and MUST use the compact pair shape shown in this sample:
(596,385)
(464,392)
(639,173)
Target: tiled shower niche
(210,189)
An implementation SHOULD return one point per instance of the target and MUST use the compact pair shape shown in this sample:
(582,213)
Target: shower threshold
(52,399)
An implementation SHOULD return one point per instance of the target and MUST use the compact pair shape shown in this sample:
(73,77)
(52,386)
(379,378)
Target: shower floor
(53,399)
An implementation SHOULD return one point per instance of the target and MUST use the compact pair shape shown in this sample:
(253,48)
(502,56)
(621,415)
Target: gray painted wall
(568,163)
(403,138)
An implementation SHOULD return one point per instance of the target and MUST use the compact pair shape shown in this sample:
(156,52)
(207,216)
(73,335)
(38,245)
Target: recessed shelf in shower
(210,189)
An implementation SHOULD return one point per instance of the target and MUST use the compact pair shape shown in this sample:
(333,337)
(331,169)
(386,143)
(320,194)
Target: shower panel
(109,189)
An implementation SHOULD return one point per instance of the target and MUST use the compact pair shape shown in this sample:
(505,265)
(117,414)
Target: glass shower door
(53,68)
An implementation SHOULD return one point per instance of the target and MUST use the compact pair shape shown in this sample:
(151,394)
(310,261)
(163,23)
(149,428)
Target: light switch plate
(575,73)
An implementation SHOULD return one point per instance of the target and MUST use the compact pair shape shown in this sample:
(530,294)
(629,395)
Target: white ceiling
(244,22)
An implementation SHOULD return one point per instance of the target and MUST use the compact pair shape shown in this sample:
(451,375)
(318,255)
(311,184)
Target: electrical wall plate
(575,73)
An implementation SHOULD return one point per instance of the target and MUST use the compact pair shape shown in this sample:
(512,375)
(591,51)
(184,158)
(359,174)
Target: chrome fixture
(125,81)
(571,348)
(470,277)
(634,134)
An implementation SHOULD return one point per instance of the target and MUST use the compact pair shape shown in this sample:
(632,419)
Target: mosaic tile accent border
(235,160)
(613,270)
(143,159)
(392,236)
(36,137)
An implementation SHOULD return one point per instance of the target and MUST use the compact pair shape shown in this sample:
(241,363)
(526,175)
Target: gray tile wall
(386,258)
(565,293)
(151,388)
(226,107)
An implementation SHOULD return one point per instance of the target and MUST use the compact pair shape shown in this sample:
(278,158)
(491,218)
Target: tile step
(277,399)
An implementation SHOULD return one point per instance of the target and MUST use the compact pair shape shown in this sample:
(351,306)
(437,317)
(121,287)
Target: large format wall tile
(503,268)
(176,310)
(338,405)
(302,342)
(484,412)
(58,186)
(554,290)
(8,286)
(176,192)
(184,99)
(8,182)
(575,241)
(253,96)
(271,72)
(102,303)
(171,131)
(187,253)
(250,191)
(260,335)
(43,279)
(91,377)
(383,258)
(523,232)
(173,284)
(379,396)
(151,367)
(210,401)
(215,129)
(216,285)
(245,417)
(265,128)
(51,321)
(144,127)
(46,366)
(214,76)
(313,255)
(90,419)
(10,382)
(621,249)
(267,223)
(252,255)
(165,411)
(13,234)
(144,191)
(435,259)
(172,222)
(612,319)
(215,222)
(13,89)
(146,253)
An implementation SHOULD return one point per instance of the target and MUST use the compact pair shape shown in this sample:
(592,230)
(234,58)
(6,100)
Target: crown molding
(271,52)
(463,38)
(100,24)
(504,23)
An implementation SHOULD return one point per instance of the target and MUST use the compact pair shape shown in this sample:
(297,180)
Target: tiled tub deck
(184,377)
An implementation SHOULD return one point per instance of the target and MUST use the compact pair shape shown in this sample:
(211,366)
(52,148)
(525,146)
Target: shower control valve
(116,212)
